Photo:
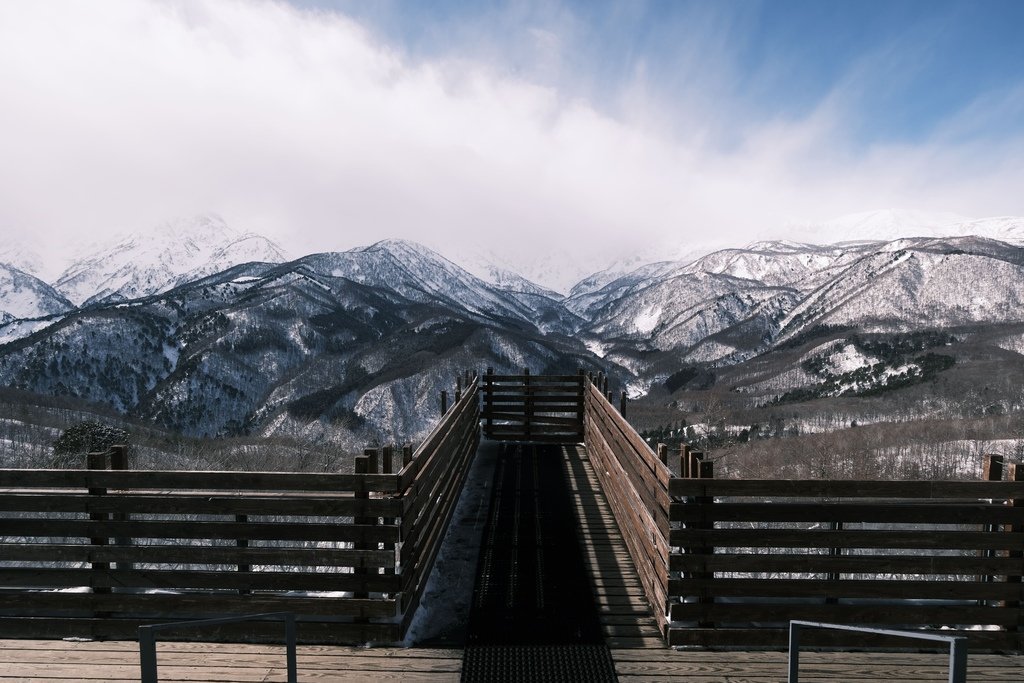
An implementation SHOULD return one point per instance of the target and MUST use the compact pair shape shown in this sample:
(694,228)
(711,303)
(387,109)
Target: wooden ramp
(624,612)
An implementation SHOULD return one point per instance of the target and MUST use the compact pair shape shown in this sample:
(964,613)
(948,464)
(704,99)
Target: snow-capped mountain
(420,274)
(352,345)
(922,282)
(205,330)
(179,251)
(732,304)
(18,254)
(24,296)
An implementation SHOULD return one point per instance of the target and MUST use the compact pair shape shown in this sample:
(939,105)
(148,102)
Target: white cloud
(304,126)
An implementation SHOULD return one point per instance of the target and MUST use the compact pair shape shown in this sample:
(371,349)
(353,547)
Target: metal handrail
(147,640)
(957,645)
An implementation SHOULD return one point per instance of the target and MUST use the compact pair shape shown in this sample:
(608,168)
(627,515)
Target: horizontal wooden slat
(562,439)
(198,480)
(905,614)
(318,505)
(196,605)
(188,528)
(532,388)
(810,488)
(192,554)
(846,564)
(819,538)
(882,588)
(548,379)
(296,580)
(537,419)
(548,404)
(924,513)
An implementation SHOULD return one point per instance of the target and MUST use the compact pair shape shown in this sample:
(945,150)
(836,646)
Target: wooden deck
(637,647)
(53,661)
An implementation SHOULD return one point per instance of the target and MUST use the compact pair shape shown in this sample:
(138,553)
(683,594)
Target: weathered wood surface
(37,661)
(630,476)
(622,607)
(663,666)
(544,409)
(27,660)
(831,488)
(780,553)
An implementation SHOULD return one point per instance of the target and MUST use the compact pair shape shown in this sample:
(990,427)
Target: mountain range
(209,331)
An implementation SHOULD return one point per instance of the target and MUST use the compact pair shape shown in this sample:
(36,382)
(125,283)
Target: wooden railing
(539,409)
(96,552)
(431,484)
(636,483)
(750,555)
(727,563)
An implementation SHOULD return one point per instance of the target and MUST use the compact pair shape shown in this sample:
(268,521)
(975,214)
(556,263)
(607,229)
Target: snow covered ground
(444,609)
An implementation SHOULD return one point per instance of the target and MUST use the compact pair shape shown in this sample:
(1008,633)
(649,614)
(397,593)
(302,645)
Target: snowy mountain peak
(19,255)
(178,251)
(25,296)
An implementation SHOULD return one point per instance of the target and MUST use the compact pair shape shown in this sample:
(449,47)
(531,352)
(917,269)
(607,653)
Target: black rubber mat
(533,616)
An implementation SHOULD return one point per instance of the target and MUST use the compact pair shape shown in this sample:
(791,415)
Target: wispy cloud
(307,126)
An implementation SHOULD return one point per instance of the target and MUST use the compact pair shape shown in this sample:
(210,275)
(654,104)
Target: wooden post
(705,470)
(622,404)
(581,386)
(684,461)
(444,403)
(489,403)
(992,470)
(696,457)
(406,456)
(386,466)
(243,543)
(98,461)
(362,466)
(1016,473)
(663,453)
(528,406)
(119,462)
(834,552)
(458,389)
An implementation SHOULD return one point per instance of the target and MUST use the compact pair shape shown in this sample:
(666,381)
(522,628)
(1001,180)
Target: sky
(591,128)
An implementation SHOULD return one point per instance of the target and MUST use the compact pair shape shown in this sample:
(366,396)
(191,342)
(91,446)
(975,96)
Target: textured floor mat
(533,615)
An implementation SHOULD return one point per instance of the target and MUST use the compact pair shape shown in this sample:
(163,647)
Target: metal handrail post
(794,652)
(957,645)
(147,640)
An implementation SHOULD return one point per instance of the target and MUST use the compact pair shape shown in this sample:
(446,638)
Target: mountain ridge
(360,342)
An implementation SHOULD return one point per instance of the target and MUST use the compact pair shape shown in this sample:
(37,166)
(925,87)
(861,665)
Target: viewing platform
(598,554)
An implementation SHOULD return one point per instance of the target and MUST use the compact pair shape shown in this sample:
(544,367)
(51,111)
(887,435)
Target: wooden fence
(727,563)
(96,552)
(540,409)
(750,555)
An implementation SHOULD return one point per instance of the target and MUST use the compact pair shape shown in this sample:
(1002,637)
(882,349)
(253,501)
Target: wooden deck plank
(57,660)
